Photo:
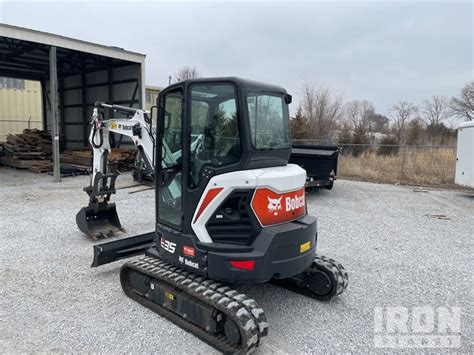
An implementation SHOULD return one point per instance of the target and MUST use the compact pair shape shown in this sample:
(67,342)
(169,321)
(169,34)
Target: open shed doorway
(74,74)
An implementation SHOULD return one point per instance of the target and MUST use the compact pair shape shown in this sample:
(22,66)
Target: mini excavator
(229,209)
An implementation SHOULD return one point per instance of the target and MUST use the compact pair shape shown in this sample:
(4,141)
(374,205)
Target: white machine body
(281,179)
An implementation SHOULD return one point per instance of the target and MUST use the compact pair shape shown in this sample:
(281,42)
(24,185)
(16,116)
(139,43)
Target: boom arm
(135,127)
(100,217)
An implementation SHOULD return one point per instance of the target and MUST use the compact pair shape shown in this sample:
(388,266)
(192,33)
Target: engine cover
(279,196)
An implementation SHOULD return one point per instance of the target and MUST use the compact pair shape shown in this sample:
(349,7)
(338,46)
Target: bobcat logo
(274,205)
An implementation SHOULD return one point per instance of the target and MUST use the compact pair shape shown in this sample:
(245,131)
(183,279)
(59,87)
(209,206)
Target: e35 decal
(168,246)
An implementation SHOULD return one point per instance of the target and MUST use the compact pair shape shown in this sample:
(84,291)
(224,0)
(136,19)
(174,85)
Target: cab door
(169,165)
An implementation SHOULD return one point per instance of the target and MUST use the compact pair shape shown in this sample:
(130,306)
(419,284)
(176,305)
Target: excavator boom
(100,218)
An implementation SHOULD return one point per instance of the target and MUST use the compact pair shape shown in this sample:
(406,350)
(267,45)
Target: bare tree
(379,123)
(436,110)
(322,109)
(359,114)
(463,106)
(186,72)
(401,114)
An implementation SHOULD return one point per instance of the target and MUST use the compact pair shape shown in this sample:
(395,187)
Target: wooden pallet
(17,163)
(28,150)
(41,168)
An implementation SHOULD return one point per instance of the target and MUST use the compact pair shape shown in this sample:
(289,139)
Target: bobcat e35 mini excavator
(229,209)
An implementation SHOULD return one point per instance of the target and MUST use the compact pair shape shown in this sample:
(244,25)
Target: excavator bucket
(99,221)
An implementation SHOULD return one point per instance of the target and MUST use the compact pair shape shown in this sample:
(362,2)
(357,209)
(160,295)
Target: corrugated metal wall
(123,88)
(20,109)
(18,106)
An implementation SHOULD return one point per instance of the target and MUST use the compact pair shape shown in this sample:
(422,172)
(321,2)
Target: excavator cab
(210,127)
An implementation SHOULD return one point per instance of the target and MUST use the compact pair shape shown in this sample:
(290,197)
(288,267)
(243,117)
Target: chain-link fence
(409,164)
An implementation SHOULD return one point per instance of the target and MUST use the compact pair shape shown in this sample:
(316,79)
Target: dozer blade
(109,252)
(97,222)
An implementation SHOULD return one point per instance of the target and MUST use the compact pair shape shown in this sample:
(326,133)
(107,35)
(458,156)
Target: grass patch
(421,166)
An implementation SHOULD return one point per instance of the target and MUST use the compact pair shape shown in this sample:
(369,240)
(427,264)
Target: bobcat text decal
(272,208)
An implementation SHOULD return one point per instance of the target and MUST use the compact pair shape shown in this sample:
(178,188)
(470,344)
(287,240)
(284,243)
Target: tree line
(324,116)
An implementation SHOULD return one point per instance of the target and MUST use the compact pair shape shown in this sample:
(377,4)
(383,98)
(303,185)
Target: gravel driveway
(395,243)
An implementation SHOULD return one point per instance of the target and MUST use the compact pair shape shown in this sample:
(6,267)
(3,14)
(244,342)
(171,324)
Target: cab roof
(249,85)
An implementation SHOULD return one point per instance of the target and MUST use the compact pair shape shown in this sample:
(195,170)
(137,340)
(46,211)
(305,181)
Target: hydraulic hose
(101,138)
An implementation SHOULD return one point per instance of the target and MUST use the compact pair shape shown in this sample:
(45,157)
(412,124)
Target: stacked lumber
(77,157)
(119,159)
(123,158)
(29,150)
(41,166)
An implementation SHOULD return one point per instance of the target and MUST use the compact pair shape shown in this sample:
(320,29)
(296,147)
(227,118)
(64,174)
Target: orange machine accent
(274,208)
(211,194)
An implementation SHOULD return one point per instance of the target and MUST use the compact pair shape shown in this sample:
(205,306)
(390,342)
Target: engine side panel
(279,180)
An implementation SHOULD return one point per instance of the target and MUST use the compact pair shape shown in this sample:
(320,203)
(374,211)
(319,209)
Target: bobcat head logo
(274,205)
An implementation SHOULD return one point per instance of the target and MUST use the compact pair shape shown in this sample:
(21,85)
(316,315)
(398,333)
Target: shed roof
(26,34)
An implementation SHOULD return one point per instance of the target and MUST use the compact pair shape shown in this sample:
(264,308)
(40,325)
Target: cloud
(381,51)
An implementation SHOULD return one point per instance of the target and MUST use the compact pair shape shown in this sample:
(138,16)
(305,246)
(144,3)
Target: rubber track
(331,267)
(242,310)
(338,271)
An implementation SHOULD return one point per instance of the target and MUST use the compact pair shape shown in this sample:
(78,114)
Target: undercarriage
(219,315)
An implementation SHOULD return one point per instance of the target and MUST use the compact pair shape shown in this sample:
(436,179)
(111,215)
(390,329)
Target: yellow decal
(169,295)
(305,246)
(114,125)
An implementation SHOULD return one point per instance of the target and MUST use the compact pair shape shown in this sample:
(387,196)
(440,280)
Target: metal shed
(73,75)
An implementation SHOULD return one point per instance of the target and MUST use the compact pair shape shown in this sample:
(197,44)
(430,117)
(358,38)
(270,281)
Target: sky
(383,51)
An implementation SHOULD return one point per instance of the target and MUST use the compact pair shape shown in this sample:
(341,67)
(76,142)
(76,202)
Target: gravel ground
(396,255)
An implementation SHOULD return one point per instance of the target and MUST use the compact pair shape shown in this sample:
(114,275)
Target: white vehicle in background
(465,155)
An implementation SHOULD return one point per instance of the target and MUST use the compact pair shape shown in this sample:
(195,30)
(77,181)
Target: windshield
(268,115)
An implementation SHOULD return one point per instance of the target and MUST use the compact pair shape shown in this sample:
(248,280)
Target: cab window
(214,134)
(268,116)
